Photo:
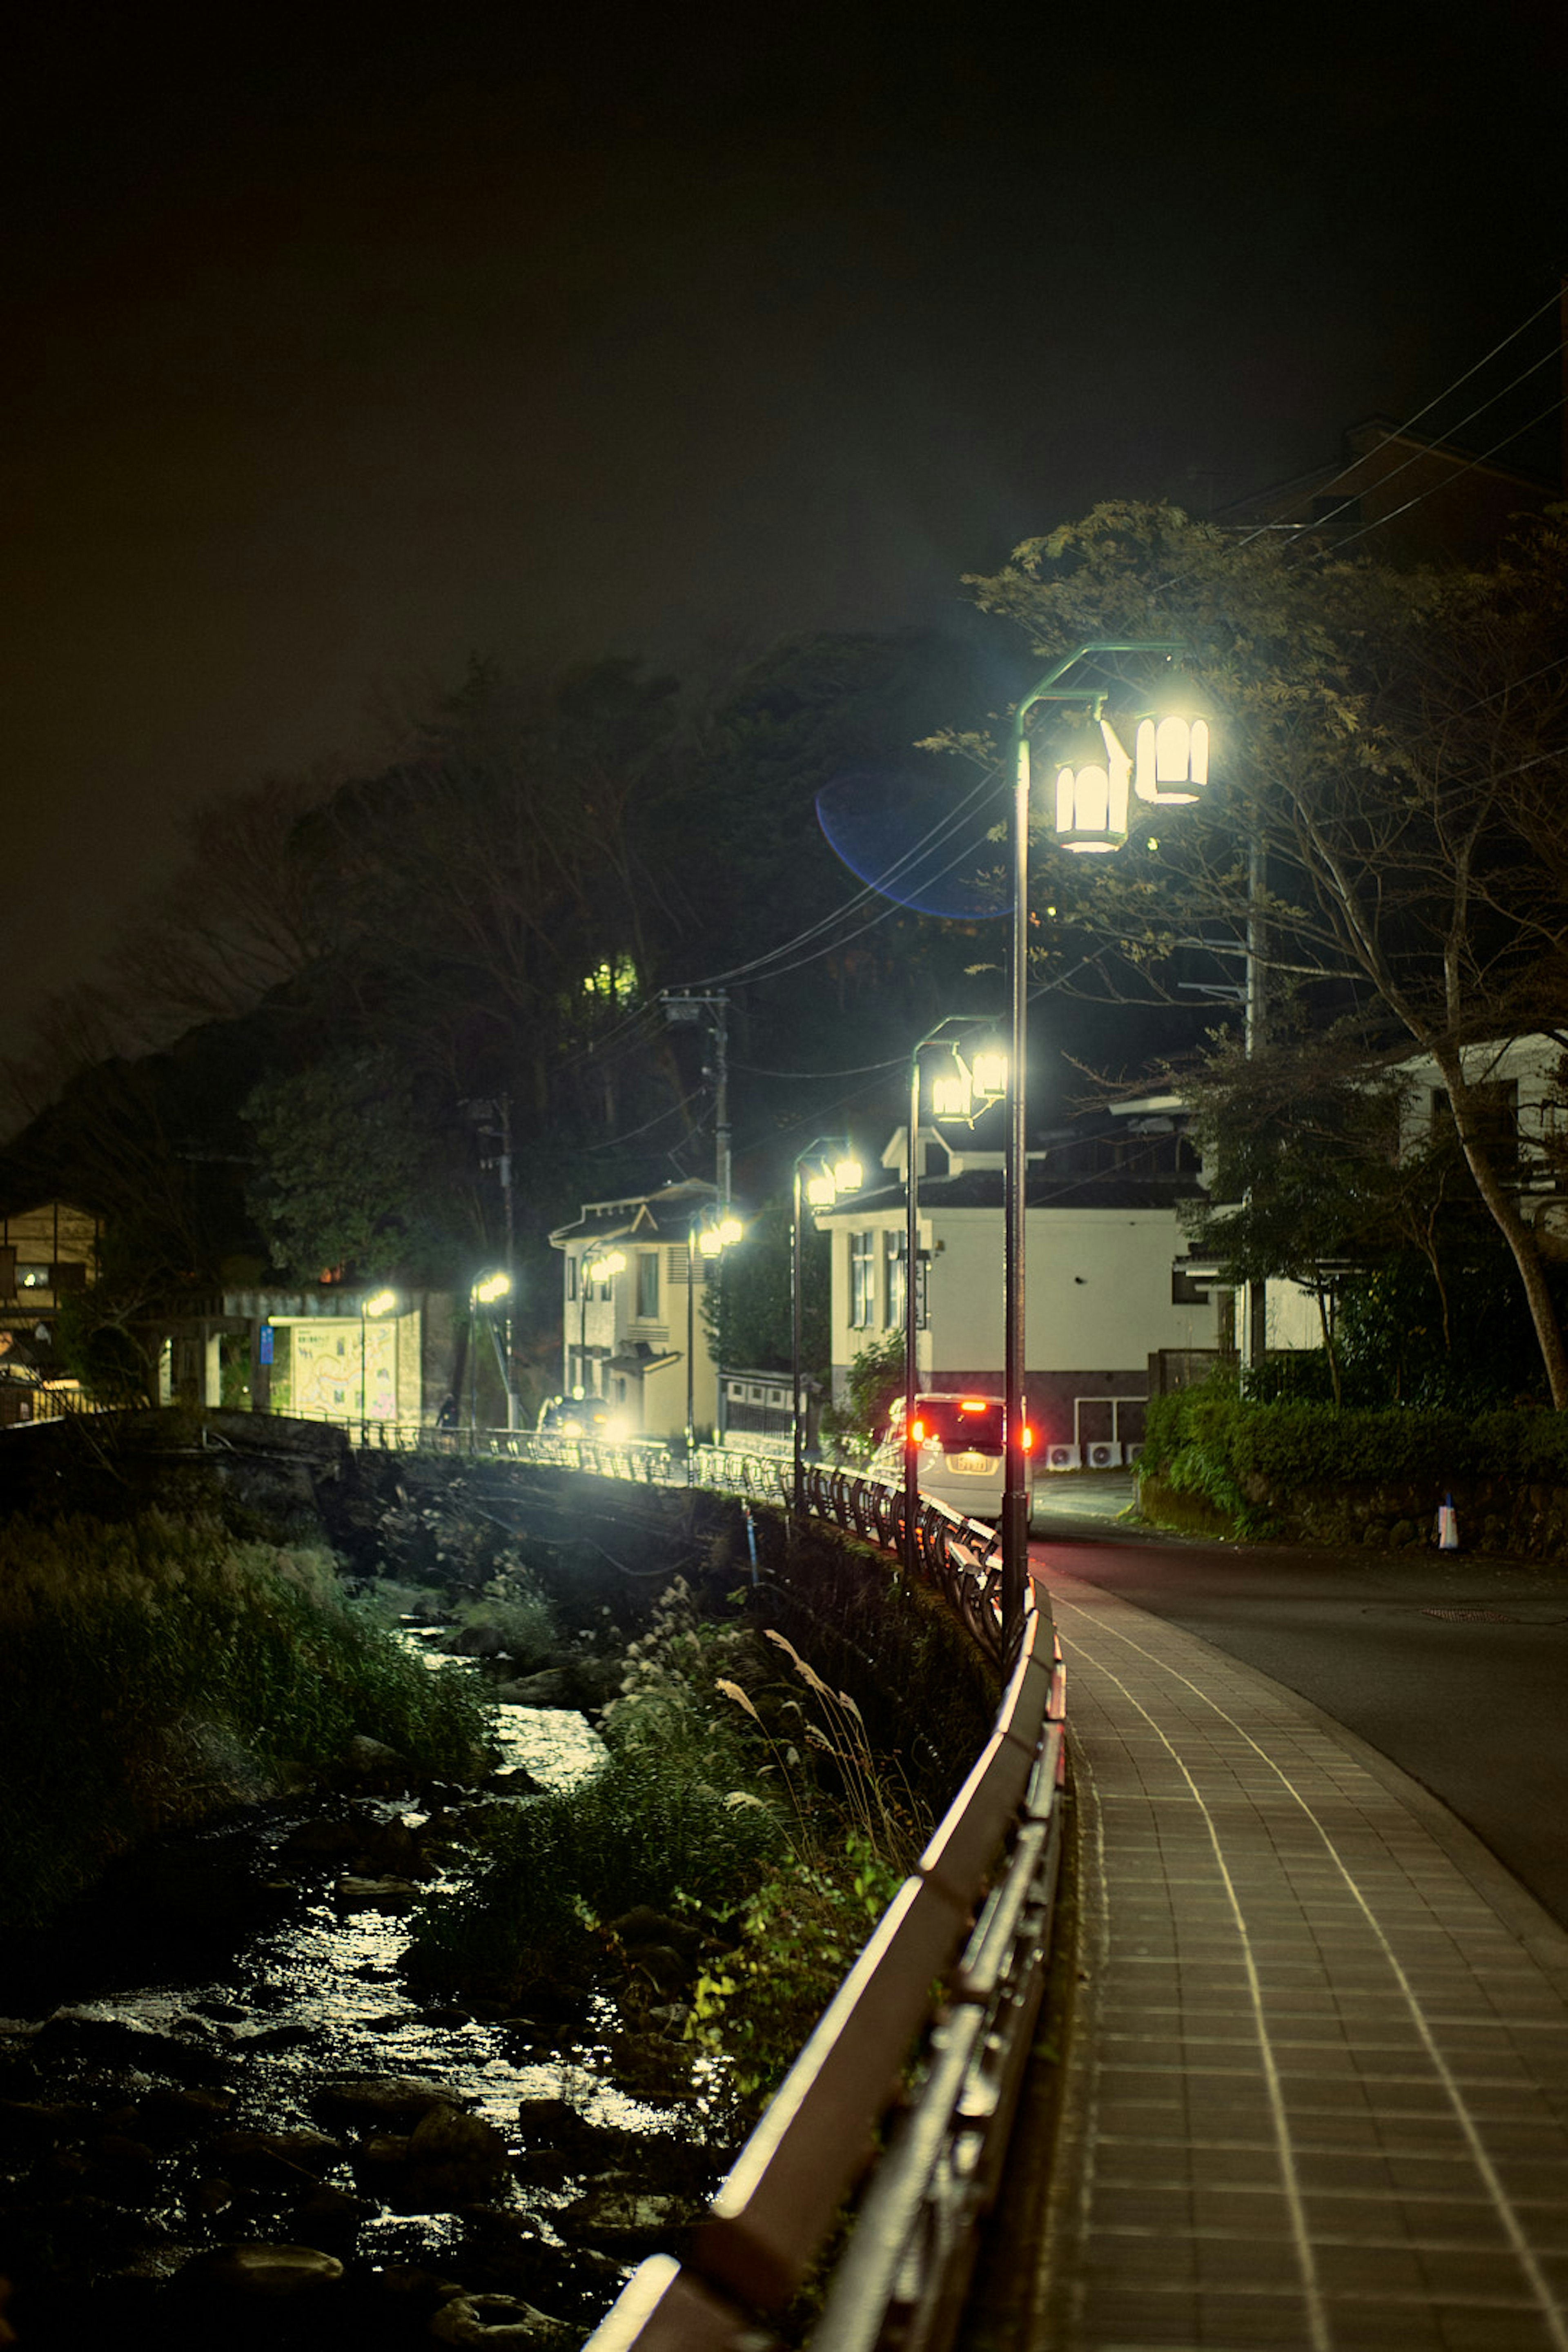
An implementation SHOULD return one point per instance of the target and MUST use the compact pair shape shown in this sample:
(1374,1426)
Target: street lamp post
(1090,816)
(484,1293)
(986,1080)
(593,1269)
(834,1176)
(707,1242)
(381,1302)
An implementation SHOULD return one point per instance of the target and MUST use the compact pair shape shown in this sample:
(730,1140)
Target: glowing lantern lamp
(1093,773)
(1172,762)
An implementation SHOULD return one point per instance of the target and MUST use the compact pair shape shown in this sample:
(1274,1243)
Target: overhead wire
(1512,336)
(769,964)
(877,888)
(1350,537)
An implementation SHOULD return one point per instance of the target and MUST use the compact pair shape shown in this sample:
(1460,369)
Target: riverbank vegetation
(156,1669)
(739,1805)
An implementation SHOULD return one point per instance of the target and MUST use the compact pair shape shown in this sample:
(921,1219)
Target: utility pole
(684,1008)
(493,1119)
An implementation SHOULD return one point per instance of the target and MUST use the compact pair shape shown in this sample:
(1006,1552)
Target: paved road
(1453,1665)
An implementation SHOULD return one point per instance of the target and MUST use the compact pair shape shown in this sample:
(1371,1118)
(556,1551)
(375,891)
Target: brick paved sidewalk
(1319,2090)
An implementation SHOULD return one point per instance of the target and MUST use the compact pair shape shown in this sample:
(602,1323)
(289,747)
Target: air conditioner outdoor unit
(1063,1457)
(1133,1451)
(1105,1454)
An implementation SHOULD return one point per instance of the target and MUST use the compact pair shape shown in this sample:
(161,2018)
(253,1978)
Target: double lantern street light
(379,1304)
(603,1266)
(485,1292)
(835,1170)
(1095,782)
(707,1242)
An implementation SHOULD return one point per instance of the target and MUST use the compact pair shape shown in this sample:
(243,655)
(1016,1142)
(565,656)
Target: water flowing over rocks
(241,2129)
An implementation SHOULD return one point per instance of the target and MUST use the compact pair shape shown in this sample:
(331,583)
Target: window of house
(647,1284)
(571,1278)
(862,1280)
(894,1250)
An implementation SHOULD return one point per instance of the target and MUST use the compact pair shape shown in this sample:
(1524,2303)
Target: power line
(1425,450)
(1350,537)
(1512,336)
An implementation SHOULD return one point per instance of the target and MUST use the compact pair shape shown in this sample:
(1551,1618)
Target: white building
(1106,1287)
(625,1336)
(1102,1290)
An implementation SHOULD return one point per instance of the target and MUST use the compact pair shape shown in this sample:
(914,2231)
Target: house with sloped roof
(1392,494)
(630,1334)
(1110,1307)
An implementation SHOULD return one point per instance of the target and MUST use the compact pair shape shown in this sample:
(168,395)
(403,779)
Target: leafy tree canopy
(1388,816)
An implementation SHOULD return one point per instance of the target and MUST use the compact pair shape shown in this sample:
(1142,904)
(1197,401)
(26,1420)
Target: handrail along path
(974,1919)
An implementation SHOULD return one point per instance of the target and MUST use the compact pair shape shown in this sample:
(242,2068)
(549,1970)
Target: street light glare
(491,1287)
(383,1302)
(1173,760)
(1093,776)
(847,1176)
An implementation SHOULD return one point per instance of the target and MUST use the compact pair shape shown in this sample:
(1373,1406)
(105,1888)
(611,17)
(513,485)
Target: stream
(234,2121)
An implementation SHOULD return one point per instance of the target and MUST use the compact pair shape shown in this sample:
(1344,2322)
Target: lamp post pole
(911,1254)
(593,1269)
(912,1315)
(1015,1494)
(707,1242)
(842,1175)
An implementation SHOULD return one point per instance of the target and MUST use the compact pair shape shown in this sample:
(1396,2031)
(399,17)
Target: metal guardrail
(982,1934)
(905,2273)
(962,1557)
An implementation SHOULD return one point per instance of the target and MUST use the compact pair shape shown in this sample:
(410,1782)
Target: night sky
(366,342)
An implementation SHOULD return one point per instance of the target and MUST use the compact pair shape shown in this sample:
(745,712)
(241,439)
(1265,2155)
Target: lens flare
(928,842)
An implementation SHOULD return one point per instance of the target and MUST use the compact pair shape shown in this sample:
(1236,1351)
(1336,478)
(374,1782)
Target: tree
(749,1307)
(1316,1172)
(350,1174)
(1392,749)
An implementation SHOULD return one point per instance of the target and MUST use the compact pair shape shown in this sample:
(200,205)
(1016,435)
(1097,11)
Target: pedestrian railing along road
(937,2079)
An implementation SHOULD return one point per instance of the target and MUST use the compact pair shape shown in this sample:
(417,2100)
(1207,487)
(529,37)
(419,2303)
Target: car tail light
(917,1431)
(1028,1439)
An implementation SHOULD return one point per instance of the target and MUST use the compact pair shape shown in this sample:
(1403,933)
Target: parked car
(564,1416)
(962,1460)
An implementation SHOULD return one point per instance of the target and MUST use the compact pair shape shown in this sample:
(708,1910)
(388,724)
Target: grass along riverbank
(155,1671)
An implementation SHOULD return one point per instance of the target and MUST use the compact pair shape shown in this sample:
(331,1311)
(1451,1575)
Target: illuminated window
(893,1292)
(862,1280)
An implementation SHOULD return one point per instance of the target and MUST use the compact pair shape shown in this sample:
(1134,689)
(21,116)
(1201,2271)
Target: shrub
(800,1932)
(876,1378)
(1216,1444)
